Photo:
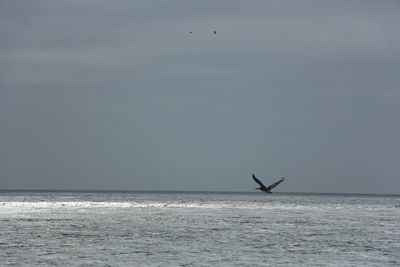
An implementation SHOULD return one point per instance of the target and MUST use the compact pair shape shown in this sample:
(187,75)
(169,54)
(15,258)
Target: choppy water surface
(198,229)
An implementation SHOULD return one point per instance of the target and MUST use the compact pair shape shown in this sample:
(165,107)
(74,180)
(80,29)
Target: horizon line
(181,191)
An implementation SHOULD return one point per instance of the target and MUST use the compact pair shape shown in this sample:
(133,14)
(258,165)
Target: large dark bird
(267,189)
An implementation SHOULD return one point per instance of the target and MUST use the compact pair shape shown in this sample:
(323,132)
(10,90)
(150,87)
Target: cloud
(111,95)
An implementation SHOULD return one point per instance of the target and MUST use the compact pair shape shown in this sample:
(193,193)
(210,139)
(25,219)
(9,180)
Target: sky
(141,95)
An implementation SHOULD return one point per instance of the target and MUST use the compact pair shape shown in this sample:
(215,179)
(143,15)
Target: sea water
(198,229)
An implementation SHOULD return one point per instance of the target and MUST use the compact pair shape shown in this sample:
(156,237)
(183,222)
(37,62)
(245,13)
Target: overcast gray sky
(120,95)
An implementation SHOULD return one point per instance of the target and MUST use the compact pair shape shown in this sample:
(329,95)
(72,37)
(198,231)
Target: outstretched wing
(275,184)
(259,182)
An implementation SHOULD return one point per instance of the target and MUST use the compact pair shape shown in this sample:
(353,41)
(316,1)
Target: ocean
(198,229)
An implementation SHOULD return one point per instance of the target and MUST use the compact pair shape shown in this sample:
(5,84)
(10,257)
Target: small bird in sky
(265,188)
(215,32)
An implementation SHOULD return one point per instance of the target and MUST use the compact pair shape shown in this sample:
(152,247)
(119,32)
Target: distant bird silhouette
(265,188)
(215,32)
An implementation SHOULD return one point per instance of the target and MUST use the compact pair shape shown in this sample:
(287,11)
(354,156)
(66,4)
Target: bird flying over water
(267,189)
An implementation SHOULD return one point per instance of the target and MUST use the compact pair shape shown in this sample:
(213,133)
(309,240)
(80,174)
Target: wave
(194,205)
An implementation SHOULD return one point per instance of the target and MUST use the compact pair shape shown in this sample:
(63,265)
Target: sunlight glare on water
(198,229)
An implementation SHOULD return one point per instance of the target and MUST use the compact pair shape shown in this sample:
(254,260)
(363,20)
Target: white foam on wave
(21,205)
